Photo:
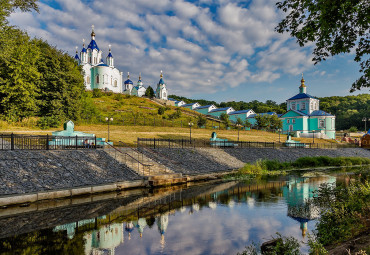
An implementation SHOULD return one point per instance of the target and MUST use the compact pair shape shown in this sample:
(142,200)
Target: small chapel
(105,76)
(304,117)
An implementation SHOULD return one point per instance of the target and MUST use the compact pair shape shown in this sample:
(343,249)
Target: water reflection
(217,218)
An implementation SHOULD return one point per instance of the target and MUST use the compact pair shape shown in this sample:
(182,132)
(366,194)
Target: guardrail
(45,142)
(129,160)
(154,143)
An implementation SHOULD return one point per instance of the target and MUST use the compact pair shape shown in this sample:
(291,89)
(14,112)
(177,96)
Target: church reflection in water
(104,234)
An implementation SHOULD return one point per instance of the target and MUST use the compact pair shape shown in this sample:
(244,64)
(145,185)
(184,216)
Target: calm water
(208,218)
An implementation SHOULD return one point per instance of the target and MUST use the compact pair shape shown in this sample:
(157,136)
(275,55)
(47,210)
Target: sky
(208,49)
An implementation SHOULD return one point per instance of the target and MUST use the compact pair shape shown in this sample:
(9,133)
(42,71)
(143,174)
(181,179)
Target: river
(215,217)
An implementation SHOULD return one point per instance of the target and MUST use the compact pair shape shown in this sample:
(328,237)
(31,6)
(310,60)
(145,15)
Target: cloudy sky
(211,49)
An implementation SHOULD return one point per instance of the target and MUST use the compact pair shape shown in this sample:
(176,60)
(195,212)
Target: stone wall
(33,171)
(206,160)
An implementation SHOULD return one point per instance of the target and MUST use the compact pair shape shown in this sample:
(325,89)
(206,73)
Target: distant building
(243,115)
(305,118)
(205,109)
(97,74)
(219,111)
(139,89)
(191,106)
(161,91)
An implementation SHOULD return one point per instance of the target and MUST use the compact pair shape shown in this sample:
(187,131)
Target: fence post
(47,141)
(12,142)
(154,143)
(76,142)
(95,142)
(182,141)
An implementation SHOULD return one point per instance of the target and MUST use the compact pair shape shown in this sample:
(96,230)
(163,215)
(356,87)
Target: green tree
(275,122)
(201,121)
(149,92)
(247,124)
(239,121)
(18,75)
(262,121)
(225,119)
(334,26)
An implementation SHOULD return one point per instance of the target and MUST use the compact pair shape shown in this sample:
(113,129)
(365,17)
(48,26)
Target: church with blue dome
(105,76)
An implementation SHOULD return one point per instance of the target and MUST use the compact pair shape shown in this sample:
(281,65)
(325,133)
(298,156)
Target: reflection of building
(162,223)
(297,193)
(129,228)
(104,240)
(141,224)
(71,227)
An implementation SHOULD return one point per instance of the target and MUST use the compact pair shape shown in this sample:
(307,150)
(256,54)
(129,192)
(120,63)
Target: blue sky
(211,49)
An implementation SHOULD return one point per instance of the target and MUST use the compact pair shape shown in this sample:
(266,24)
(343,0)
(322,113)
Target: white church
(104,76)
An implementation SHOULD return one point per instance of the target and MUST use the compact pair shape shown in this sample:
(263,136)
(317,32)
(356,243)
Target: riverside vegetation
(344,217)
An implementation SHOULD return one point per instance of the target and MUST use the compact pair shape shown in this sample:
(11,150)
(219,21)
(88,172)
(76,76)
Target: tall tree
(149,92)
(334,26)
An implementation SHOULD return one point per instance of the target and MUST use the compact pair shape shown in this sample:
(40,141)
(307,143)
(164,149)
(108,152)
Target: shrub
(353,129)
(201,121)
(161,110)
(97,93)
(48,121)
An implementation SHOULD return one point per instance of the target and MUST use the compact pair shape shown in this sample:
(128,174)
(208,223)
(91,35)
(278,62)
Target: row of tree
(36,79)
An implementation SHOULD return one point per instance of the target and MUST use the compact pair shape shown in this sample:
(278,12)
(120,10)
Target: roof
(76,56)
(161,81)
(204,106)
(189,104)
(128,81)
(171,99)
(221,109)
(240,112)
(110,55)
(83,49)
(301,96)
(93,45)
(320,113)
(102,64)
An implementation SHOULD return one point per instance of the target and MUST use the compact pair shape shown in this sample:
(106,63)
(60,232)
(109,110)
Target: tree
(201,121)
(225,118)
(262,120)
(247,124)
(334,26)
(239,121)
(149,92)
(275,122)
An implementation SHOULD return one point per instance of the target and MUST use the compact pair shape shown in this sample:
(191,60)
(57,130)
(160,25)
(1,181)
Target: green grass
(274,167)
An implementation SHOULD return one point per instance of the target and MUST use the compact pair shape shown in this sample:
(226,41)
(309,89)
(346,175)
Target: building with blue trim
(304,117)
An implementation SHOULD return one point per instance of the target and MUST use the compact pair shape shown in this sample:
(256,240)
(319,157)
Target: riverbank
(29,176)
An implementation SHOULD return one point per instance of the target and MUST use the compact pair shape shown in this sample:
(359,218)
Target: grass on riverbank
(274,167)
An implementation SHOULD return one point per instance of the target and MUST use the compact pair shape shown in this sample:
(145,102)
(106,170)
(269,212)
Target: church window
(115,83)
(303,106)
(311,106)
(293,106)
(88,80)
(94,60)
(333,123)
(288,121)
(293,121)
(315,106)
(321,123)
(97,79)
(89,59)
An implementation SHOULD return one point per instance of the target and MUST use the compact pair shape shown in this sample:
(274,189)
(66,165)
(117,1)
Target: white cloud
(196,46)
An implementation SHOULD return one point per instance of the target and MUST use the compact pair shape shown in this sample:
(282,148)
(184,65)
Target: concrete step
(166,182)
(164,176)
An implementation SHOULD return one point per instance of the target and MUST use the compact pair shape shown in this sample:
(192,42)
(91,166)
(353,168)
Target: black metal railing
(203,143)
(46,142)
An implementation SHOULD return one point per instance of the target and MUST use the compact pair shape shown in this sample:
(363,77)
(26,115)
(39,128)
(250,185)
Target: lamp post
(238,126)
(279,134)
(190,125)
(108,120)
(313,136)
(365,119)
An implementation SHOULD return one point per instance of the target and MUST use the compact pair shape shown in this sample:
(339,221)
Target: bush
(201,121)
(161,110)
(353,129)
(97,93)
(48,121)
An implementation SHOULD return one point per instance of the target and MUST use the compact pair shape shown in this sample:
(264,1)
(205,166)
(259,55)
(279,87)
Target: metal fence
(45,142)
(204,143)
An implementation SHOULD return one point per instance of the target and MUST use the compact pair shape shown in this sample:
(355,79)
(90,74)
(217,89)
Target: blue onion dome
(129,227)
(128,81)
(110,52)
(76,56)
(92,45)
(83,46)
(161,81)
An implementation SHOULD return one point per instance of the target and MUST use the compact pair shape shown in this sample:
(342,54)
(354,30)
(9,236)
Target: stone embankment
(53,174)
(33,171)
(206,160)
